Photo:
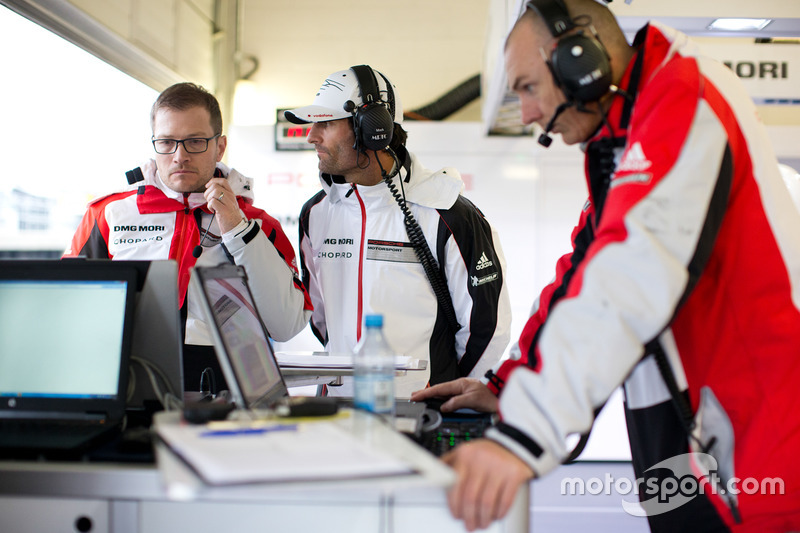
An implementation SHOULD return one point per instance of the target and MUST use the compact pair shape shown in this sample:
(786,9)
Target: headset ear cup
(581,67)
(555,73)
(375,127)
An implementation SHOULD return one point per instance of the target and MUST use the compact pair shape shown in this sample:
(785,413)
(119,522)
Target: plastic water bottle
(373,370)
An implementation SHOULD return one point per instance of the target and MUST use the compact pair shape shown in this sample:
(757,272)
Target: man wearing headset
(683,286)
(187,206)
(364,238)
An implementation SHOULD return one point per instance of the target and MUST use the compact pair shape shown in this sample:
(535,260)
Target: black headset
(373,120)
(579,62)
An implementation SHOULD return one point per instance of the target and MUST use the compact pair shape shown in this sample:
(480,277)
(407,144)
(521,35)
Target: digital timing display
(290,136)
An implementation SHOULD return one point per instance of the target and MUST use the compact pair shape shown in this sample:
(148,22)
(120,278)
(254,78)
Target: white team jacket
(357,259)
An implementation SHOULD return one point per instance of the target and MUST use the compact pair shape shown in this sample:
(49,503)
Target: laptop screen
(241,340)
(61,338)
(65,335)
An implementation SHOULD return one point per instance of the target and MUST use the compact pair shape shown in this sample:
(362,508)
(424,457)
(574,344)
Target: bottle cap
(373,321)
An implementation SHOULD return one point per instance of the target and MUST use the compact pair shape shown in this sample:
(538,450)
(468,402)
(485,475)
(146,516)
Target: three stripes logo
(483,262)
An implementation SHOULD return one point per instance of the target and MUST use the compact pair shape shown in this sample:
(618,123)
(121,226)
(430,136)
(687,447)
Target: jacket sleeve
(636,272)
(91,238)
(309,271)
(475,271)
(261,246)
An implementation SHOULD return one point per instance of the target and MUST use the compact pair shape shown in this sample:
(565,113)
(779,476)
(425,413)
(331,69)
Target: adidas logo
(483,262)
(634,160)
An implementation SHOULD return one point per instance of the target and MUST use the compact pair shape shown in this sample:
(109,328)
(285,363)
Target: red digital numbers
(299,132)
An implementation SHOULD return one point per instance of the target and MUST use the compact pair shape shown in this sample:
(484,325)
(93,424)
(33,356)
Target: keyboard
(454,429)
(33,437)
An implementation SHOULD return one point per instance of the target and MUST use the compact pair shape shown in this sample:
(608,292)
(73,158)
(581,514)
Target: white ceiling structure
(429,47)
(285,48)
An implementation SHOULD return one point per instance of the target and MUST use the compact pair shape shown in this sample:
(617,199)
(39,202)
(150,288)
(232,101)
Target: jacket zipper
(179,250)
(186,211)
(360,263)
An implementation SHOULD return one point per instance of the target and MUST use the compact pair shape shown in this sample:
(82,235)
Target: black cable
(578,449)
(420,245)
(452,101)
(682,406)
(684,411)
(208,372)
(198,250)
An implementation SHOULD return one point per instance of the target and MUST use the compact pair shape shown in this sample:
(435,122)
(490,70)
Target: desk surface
(145,499)
(182,482)
(175,480)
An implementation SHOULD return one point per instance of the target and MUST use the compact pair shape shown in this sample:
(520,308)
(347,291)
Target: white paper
(312,451)
(301,360)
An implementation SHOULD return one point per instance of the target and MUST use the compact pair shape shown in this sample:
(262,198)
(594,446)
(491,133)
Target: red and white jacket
(696,247)
(150,221)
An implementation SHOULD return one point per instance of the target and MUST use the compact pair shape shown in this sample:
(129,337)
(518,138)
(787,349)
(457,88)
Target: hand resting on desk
(489,477)
(459,394)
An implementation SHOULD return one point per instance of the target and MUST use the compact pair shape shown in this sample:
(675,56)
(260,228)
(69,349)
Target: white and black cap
(339,88)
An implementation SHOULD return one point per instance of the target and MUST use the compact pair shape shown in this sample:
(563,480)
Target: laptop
(240,338)
(254,377)
(65,338)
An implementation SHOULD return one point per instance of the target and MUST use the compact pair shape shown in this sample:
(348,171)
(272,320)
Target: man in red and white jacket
(683,286)
(189,207)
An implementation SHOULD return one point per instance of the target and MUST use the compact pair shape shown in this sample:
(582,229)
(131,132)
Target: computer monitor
(157,348)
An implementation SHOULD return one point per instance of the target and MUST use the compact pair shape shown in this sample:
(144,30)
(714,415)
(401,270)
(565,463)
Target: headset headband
(389,94)
(368,84)
(554,14)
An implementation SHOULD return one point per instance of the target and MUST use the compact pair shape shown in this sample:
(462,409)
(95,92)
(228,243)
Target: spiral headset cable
(421,248)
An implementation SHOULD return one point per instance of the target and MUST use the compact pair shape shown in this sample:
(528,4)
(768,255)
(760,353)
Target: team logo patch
(632,168)
(476,281)
(333,241)
(396,252)
(631,178)
(136,234)
(336,248)
(483,262)
(634,160)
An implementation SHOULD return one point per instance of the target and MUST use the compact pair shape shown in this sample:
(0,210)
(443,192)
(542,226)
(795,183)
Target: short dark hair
(399,137)
(185,95)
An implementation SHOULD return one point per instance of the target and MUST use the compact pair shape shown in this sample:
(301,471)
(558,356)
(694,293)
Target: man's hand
(462,393)
(488,479)
(222,200)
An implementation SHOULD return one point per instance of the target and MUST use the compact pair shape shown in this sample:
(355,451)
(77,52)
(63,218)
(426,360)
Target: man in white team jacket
(358,257)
